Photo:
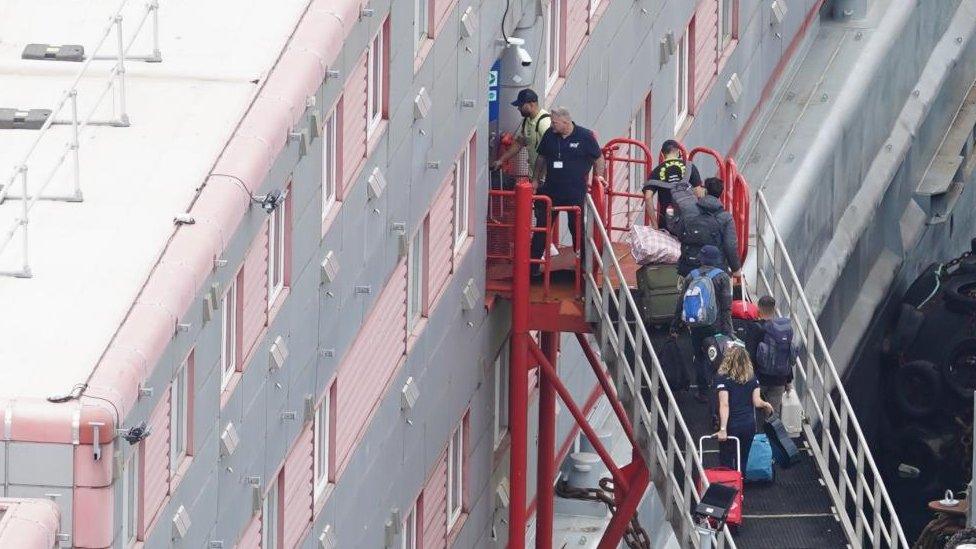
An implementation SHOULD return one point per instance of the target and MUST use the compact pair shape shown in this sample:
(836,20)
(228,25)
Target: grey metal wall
(451,359)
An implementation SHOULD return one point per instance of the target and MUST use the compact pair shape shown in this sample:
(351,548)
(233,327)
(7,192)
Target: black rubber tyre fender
(959,371)
(918,389)
(968,264)
(960,291)
(922,286)
(920,448)
(906,329)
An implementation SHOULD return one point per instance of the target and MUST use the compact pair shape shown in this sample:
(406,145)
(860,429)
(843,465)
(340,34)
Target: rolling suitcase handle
(738,450)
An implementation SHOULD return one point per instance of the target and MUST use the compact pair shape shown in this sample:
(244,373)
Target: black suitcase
(785,451)
(674,365)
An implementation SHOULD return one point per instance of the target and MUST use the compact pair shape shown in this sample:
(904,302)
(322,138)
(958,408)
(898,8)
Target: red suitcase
(745,310)
(729,477)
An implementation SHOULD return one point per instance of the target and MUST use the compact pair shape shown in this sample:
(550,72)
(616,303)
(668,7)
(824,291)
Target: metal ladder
(830,427)
(667,446)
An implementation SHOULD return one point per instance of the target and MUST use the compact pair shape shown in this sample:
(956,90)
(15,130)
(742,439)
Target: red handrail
(610,154)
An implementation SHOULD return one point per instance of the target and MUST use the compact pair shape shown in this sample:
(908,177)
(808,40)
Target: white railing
(667,445)
(832,430)
(69,100)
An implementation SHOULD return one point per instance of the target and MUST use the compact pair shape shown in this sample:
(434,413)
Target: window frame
(322,432)
(228,341)
(682,82)
(375,67)
(412,524)
(455,476)
(553,46)
(277,250)
(726,24)
(421,32)
(180,407)
(500,375)
(462,195)
(638,131)
(272,503)
(330,162)
(416,288)
(131,492)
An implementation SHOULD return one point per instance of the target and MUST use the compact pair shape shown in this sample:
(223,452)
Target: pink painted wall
(440,11)
(155,465)
(298,489)
(370,364)
(576,14)
(254,292)
(435,506)
(706,44)
(354,123)
(29,523)
(441,240)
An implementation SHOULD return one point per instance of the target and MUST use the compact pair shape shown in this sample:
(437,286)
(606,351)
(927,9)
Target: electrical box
(20,119)
(50,52)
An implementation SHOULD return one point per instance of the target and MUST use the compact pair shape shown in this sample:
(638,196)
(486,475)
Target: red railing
(611,153)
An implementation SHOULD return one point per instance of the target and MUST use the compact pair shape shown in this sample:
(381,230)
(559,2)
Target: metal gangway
(841,459)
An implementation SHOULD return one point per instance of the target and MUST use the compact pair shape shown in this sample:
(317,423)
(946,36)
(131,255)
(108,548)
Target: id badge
(557,164)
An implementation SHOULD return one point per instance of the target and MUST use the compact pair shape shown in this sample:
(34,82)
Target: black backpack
(698,231)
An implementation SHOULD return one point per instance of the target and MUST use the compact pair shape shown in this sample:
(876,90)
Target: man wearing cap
(535,123)
(664,179)
(711,259)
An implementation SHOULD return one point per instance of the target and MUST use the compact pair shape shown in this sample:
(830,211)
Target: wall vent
(327,539)
(421,104)
(779,9)
(409,394)
(469,295)
(375,185)
(469,23)
(50,52)
(733,89)
(181,523)
(330,267)
(278,353)
(20,119)
(229,440)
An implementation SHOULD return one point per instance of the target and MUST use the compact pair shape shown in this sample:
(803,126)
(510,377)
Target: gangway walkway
(834,497)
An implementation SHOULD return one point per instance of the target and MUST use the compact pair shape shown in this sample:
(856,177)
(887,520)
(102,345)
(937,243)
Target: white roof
(90,259)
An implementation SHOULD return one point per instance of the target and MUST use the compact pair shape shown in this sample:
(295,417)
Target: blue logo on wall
(493,91)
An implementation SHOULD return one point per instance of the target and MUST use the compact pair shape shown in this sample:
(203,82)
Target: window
(270,516)
(639,132)
(726,23)
(321,443)
(180,395)
(412,526)
(553,47)
(375,67)
(330,169)
(415,277)
(277,225)
(130,499)
(421,23)
(228,334)
(681,82)
(455,475)
(501,371)
(462,195)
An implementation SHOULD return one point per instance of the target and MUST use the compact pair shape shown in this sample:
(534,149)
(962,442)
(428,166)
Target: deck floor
(794,511)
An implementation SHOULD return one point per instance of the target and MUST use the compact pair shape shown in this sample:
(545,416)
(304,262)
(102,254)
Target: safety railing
(68,101)
(832,430)
(668,447)
(500,238)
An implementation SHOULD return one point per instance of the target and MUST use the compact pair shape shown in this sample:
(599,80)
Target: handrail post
(75,144)
(24,220)
(123,116)
(518,383)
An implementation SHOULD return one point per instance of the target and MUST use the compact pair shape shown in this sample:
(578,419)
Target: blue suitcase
(759,467)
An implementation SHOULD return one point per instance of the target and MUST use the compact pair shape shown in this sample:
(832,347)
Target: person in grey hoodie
(711,204)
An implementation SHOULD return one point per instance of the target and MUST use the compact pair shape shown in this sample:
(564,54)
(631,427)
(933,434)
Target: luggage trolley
(721,502)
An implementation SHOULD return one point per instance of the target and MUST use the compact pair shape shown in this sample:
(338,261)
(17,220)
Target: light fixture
(140,432)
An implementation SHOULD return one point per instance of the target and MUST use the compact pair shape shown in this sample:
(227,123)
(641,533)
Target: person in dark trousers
(738,398)
(710,258)
(535,123)
(567,153)
(662,179)
(711,204)
(772,386)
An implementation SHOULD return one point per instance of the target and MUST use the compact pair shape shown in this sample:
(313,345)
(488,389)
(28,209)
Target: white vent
(668,47)
(330,267)
(779,9)
(733,89)
(257,495)
(469,295)
(309,408)
(421,104)
(468,23)
(376,184)
(409,394)
(279,353)
(327,539)
(181,523)
(229,440)
(316,124)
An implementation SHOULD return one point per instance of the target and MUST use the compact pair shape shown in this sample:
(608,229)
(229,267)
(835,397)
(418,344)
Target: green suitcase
(660,289)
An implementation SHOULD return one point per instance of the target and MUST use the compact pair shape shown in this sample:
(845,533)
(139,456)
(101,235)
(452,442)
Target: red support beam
(547,443)
(549,371)
(604,379)
(626,505)
(518,379)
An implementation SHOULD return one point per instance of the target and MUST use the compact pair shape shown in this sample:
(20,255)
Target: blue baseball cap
(525,96)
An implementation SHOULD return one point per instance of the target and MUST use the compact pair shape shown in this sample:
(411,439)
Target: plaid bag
(650,245)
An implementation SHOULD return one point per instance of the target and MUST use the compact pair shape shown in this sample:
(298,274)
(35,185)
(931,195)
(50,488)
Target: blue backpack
(776,353)
(699,306)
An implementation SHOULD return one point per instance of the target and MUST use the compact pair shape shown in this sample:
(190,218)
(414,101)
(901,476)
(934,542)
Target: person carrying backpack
(664,179)
(705,307)
(711,204)
(776,353)
(535,123)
